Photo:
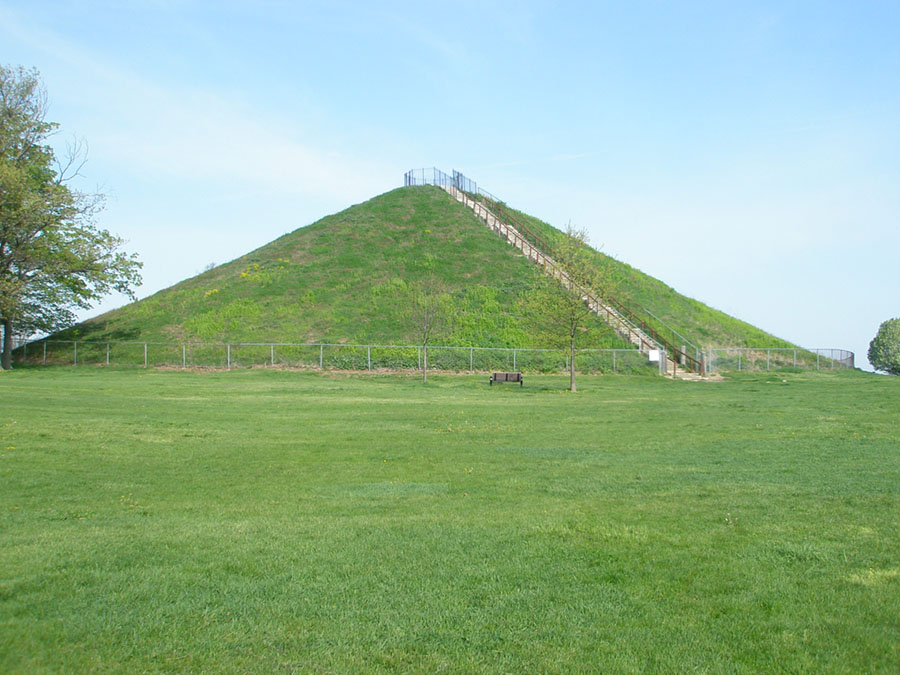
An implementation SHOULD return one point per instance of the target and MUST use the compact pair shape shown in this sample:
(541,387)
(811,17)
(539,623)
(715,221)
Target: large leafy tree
(884,349)
(54,259)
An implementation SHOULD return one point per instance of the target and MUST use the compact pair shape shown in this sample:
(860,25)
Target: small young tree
(53,257)
(884,349)
(429,308)
(556,308)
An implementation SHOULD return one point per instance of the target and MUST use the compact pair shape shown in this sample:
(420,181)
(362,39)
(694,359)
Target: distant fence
(746,358)
(330,356)
(408,357)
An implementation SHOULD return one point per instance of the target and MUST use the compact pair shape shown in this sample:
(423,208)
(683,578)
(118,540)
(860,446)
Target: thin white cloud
(563,157)
(568,157)
(196,134)
(451,51)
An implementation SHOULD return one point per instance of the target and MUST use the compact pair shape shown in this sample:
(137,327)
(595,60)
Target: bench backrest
(507,377)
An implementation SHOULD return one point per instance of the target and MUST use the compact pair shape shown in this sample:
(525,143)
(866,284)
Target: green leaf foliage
(54,259)
(884,350)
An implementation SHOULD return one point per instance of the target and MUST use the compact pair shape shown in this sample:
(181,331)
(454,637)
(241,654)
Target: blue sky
(746,154)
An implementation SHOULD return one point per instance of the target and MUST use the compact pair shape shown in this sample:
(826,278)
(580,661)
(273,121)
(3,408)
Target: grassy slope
(267,521)
(342,279)
(699,323)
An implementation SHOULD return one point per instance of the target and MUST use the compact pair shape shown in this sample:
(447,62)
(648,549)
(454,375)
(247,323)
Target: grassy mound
(345,279)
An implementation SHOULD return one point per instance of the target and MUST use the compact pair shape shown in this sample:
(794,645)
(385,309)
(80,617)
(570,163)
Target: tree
(884,349)
(429,308)
(557,309)
(54,258)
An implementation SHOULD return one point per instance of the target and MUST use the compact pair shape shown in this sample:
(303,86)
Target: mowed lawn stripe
(267,520)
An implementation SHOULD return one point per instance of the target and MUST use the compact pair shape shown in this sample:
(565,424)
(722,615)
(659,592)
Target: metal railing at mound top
(434,176)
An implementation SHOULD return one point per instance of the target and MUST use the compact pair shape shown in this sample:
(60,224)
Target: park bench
(507,377)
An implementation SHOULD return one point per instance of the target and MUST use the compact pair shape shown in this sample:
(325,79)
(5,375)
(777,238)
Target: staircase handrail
(683,339)
(504,214)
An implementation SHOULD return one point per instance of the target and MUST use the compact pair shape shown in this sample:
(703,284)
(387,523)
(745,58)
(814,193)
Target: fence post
(614,362)
(25,352)
(183,356)
(145,355)
(369,356)
(75,357)
(321,357)
(107,353)
(45,352)
(514,359)
(228,355)
(471,359)
(768,354)
(739,359)
(795,358)
(817,360)
(272,355)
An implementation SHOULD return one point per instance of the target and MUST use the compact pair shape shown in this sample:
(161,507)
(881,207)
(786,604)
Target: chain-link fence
(330,357)
(751,359)
(409,357)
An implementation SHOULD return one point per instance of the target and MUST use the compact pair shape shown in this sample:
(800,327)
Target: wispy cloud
(450,51)
(571,156)
(564,157)
(200,135)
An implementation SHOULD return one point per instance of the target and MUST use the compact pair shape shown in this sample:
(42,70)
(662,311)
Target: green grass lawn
(272,521)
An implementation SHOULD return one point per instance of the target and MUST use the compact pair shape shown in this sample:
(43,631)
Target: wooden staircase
(620,324)
(673,361)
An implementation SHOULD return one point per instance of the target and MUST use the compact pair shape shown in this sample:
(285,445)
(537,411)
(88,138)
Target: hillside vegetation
(345,279)
(663,307)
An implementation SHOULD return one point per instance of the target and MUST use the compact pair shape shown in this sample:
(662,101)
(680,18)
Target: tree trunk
(6,359)
(572,365)
(424,363)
